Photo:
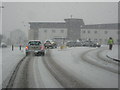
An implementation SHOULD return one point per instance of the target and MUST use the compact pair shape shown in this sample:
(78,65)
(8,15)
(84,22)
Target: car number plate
(36,51)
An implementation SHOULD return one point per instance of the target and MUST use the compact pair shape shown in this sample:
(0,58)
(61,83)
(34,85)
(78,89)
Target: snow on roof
(101,26)
(48,24)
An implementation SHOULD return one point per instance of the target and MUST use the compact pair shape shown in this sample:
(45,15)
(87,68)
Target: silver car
(35,47)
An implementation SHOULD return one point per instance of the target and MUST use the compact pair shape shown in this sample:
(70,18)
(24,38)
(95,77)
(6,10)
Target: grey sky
(16,15)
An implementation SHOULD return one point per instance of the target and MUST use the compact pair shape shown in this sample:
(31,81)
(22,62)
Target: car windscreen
(47,42)
(34,43)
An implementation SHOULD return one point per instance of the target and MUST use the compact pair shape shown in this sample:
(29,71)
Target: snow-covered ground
(70,60)
(114,52)
(8,61)
(0,67)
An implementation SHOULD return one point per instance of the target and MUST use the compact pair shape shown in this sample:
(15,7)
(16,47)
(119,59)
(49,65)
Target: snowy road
(9,60)
(89,65)
(68,68)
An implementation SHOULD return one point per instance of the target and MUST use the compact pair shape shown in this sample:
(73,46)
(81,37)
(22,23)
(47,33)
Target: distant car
(35,47)
(50,44)
(3,45)
(78,44)
(71,44)
(91,44)
(54,44)
(83,43)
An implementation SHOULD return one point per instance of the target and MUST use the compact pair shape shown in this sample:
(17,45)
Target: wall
(50,33)
(100,35)
(74,26)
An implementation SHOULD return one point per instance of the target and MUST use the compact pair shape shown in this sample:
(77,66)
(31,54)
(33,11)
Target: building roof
(101,26)
(63,25)
(49,24)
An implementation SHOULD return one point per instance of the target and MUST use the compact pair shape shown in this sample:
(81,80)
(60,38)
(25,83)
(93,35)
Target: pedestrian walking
(110,43)
(12,47)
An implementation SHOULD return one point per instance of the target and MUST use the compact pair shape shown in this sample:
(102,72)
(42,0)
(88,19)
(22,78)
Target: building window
(53,31)
(88,31)
(84,31)
(45,31)
(95,32)
(62,31)
(106,32)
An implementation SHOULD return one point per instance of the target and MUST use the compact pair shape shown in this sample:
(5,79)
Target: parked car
(35,47)
(83,43)
(91,44)
(70,44)
(50,44)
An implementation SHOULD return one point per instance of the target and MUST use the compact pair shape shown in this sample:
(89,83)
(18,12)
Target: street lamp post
(1,7)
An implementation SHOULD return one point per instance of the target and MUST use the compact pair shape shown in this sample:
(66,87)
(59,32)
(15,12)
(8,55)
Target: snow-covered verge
(8,62)
(114,52)
(0,67)
(96,77)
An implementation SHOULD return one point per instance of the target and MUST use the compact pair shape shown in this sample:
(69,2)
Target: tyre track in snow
(63,77)
(20,79)
(39,76)
(19,76)
(100,56)
(97,56)
(108,60)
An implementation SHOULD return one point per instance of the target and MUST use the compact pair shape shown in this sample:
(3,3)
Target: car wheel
(98,46)
(43,53)
(40,54)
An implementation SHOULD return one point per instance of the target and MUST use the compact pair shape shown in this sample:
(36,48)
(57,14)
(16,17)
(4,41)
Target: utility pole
(1,7)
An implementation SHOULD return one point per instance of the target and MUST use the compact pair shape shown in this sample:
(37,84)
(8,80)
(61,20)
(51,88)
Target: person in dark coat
(20,47)
(12,47)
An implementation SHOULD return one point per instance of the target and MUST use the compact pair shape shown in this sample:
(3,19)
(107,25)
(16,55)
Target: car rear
(48,44)
(35,47)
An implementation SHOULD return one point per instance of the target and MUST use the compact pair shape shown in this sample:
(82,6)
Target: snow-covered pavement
(71,59)
(113,53)
(9,61)
(0,67)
